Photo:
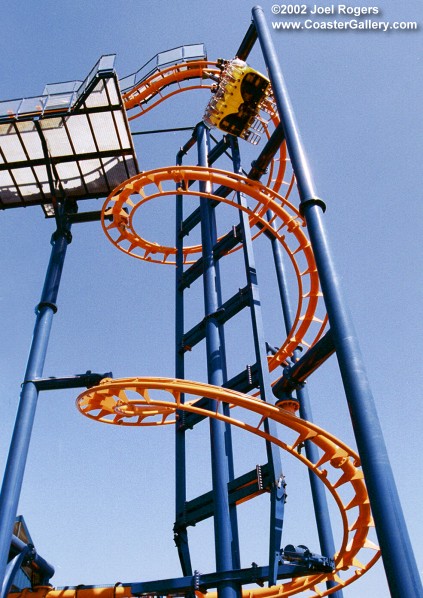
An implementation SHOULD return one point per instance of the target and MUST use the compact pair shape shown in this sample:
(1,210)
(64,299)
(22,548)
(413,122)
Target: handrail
(70,92)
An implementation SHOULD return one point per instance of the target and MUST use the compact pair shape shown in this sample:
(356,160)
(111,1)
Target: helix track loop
(287,227)
(110,403)
(134,402)
(179,78)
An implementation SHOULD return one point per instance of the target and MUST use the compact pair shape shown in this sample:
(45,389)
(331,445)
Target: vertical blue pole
(236,559)
(324,528)
(181,535)
(18,452)
(400,565)
(277,491)
(224,536)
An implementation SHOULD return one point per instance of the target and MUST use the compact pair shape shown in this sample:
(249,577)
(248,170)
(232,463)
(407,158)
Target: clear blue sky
(98,500)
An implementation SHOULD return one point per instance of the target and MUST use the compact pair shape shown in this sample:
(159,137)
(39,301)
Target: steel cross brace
(86,380)
(242,488)
(277,491)
(303,565)
(13,566)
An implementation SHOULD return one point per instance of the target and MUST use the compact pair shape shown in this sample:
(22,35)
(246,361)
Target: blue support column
(277,491)
(224,532)
(236,559)
(400,565)
(324,528)
(181,534)
(15,466)
(12,569)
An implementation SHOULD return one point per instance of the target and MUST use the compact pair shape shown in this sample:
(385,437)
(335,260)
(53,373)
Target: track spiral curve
(112,401)
(129,401)
(287,227)
(201,74)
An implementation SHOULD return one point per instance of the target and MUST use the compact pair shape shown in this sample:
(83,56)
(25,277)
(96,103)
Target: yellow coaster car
(236,102)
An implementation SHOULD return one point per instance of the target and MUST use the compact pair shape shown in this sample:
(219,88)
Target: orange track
(113,402)
(199,74)
(128,198)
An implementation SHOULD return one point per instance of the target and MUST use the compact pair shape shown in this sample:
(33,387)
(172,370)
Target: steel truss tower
(270,390)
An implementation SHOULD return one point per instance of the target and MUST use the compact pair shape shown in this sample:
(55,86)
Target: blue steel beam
(225,312)
(13,567)
(226,540)
(247,43)
(221,248)
(232,306)
(277,490)
(326,347)
(244,487)
(301,565)
(258,168)
(244,382)
(397,554)
(86,380)
(181,537)
(295,375)
(214,154)
(180,532)
(94,216)
(43,568)
(18,452)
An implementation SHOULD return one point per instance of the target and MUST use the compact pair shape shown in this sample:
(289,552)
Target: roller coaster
(276,201)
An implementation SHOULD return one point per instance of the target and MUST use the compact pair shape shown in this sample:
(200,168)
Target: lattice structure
(262,400)
(110,403)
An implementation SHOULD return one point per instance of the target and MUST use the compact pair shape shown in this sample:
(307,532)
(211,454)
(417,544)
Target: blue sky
(99,500)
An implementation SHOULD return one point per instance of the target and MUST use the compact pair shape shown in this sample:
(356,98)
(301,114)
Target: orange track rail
(200,74)
(288,229)
(113,402)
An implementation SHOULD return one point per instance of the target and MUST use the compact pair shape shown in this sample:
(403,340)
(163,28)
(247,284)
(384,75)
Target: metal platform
(73,141)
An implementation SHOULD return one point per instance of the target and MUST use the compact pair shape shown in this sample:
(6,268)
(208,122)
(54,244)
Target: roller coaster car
(235,105)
